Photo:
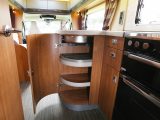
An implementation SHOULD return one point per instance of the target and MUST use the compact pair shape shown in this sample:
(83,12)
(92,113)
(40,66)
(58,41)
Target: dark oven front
(138,95)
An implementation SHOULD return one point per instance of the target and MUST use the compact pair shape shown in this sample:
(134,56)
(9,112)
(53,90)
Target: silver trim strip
(74,84)
(149,96)
(143,60)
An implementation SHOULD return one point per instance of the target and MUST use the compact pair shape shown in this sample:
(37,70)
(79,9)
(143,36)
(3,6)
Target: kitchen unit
(73,69)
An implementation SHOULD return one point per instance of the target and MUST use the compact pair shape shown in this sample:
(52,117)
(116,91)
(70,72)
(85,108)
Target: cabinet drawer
(113,57)
(115,42)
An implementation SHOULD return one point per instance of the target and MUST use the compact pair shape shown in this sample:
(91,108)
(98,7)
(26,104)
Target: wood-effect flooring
(51,108)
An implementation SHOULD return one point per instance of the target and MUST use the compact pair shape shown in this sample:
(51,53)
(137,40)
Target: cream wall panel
(115,26)
(57,5)
(37,4)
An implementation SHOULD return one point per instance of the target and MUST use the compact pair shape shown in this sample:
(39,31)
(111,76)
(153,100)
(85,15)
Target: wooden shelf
(75,97)
(76,80)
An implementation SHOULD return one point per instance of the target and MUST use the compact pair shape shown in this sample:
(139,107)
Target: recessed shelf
(77,59)
(76,80)
(77,100)
(75,39)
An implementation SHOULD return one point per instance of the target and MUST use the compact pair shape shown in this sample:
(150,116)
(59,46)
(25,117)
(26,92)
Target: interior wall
(4,10)
(72,3)
(76,21)
(122,6)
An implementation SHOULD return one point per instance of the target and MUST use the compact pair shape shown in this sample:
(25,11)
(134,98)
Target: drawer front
(115,42)
(113,57)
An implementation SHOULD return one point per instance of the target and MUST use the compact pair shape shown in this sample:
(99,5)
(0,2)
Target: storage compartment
(75,39)
(75,77)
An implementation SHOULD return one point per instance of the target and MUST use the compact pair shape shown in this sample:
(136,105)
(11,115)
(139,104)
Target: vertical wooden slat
(98,49)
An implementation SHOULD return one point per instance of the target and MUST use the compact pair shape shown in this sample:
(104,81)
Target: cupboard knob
(115,79)
(113,54)
(114,41)
(57,45)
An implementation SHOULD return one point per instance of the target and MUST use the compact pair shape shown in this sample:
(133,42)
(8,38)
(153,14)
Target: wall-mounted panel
(57,5)
(36,4)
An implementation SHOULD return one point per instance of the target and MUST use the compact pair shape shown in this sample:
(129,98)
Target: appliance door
(133,103)
(143,70)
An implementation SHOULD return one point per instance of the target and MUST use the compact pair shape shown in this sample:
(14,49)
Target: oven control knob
(136,44)
(146,46)
(130,42)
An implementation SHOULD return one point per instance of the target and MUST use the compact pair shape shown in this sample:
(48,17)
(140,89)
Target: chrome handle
(150,97)
(143,60)
(113,54)
(58,45)
(7,31)
(114,41)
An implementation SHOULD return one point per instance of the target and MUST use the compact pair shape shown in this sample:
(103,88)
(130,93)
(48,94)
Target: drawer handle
(114,41)
(113,55)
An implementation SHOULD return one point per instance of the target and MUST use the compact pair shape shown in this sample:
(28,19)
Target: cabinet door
(44,64)
(10,99)
(108,89)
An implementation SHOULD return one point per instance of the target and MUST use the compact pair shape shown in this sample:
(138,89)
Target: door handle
(143,60)
(7,30)
(155,100)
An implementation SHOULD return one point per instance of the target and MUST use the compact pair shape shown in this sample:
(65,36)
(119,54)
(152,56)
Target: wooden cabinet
(110,74)
(47,69)
(44,64)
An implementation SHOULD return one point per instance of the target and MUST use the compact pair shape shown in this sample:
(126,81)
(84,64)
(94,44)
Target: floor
(51,108)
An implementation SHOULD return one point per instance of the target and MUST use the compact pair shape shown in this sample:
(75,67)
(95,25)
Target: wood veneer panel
(75,97)
(98,49)
(77,78)
(11,105)
(109,77)
(119,45)
(22,62)
(44,65)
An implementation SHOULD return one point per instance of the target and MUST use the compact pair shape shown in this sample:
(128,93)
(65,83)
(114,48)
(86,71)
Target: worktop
(91,32)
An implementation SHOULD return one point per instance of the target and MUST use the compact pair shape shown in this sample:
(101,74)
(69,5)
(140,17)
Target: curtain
(111,6)
(84,19)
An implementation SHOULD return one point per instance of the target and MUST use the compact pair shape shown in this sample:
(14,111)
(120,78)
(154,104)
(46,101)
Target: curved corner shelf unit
(76,59)
(76,80)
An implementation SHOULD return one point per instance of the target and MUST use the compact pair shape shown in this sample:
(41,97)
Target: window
(148,12)
(95,18)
